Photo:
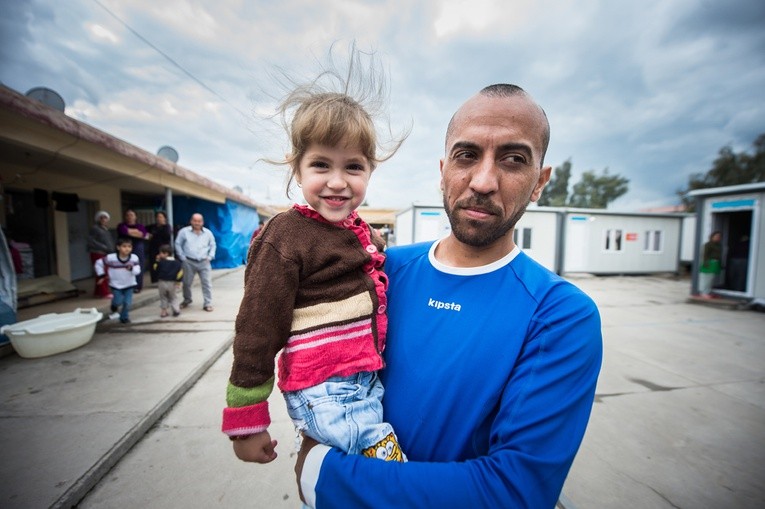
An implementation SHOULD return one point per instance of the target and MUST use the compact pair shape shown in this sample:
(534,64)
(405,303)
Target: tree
(597,191)
(592,191)
(555,193)
(729,169)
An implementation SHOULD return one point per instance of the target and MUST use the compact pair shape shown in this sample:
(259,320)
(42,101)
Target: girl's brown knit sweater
(315,291)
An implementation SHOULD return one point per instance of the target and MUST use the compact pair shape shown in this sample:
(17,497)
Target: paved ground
(679,419)
(65,420)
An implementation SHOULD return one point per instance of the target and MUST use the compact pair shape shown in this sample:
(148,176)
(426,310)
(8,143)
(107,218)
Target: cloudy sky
(649,89)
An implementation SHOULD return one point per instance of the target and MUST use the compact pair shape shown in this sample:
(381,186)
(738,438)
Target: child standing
(315,290)
(169,272)
(123,267)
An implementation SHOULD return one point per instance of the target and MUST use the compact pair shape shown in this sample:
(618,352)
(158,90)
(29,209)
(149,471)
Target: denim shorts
(347,413)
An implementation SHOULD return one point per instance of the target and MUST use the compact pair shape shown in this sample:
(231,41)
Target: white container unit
(52,333)
(421,223)
(577,240)
(600,242)
(537,233)
(737,212)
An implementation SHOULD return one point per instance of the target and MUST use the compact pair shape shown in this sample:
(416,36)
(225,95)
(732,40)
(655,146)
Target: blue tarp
(231,223)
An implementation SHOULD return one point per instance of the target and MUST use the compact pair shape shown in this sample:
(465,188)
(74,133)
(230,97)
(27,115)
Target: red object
(18,264)
(102,288)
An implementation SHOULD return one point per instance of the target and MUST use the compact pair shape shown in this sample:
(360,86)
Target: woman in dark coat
(161,233)
(100,244)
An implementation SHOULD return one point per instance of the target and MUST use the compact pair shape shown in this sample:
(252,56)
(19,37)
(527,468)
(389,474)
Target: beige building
(56,172)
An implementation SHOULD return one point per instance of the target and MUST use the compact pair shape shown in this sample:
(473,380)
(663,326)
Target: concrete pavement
(66,420)
(679,419)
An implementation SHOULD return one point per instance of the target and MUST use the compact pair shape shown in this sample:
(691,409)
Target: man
(195,247)
(492,360)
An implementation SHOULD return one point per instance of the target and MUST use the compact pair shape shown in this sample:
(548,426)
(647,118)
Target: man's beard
(478,233)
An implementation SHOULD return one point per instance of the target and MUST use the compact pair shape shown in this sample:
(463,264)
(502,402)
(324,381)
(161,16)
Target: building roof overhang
(36,136)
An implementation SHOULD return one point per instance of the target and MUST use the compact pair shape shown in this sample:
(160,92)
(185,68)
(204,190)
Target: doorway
(28,226)
(736,228)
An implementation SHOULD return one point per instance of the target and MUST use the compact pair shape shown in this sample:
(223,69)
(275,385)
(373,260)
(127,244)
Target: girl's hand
(257,448)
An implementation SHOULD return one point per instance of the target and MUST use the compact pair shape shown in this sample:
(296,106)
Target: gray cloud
(651,90)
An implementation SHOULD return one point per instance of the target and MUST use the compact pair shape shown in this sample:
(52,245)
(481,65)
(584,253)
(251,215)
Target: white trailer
(737,212)
(421,223)
(602,242)
(577,240)
(538,232)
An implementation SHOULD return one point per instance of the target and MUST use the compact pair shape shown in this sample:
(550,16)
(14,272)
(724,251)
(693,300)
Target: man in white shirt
(195,247)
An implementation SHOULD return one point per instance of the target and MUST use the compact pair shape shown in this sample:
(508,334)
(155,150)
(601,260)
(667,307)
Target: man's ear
(441,171)
(544,178)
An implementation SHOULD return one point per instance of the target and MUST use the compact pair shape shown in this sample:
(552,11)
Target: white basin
(52,333)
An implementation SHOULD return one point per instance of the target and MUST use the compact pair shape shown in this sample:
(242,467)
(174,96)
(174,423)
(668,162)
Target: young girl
(315,290)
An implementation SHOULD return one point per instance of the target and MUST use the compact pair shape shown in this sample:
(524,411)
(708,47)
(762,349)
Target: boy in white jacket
(123,267)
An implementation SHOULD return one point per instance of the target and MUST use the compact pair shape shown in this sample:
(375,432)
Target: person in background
(492,360)
(100,244)
(195,247)
(169,273)
(160,233)
(123,267)
(136,232)
(711,265)
(257,231)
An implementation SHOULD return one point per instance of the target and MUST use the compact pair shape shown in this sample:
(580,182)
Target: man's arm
(541,418)
(179,242)
(213,247)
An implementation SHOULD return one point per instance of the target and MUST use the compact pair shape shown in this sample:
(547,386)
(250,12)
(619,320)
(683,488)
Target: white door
(577,235)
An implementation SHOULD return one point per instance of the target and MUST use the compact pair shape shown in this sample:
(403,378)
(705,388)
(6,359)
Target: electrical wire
(171,60)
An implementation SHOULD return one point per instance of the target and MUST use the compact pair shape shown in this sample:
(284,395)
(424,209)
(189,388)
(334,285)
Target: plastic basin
(52,333)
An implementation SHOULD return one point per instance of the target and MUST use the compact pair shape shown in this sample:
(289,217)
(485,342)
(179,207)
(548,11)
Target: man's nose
(484,179)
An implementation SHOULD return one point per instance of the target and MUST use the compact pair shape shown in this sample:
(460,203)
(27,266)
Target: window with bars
(612,240)
(522,237)
(654,241)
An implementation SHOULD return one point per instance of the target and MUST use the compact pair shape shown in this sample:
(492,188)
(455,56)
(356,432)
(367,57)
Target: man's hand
(305,447)
(258,448)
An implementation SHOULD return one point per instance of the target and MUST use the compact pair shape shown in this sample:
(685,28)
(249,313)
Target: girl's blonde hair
(338,107)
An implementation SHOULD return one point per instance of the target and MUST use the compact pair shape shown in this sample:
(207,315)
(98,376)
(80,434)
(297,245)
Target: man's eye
(464,154)
(514,159)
